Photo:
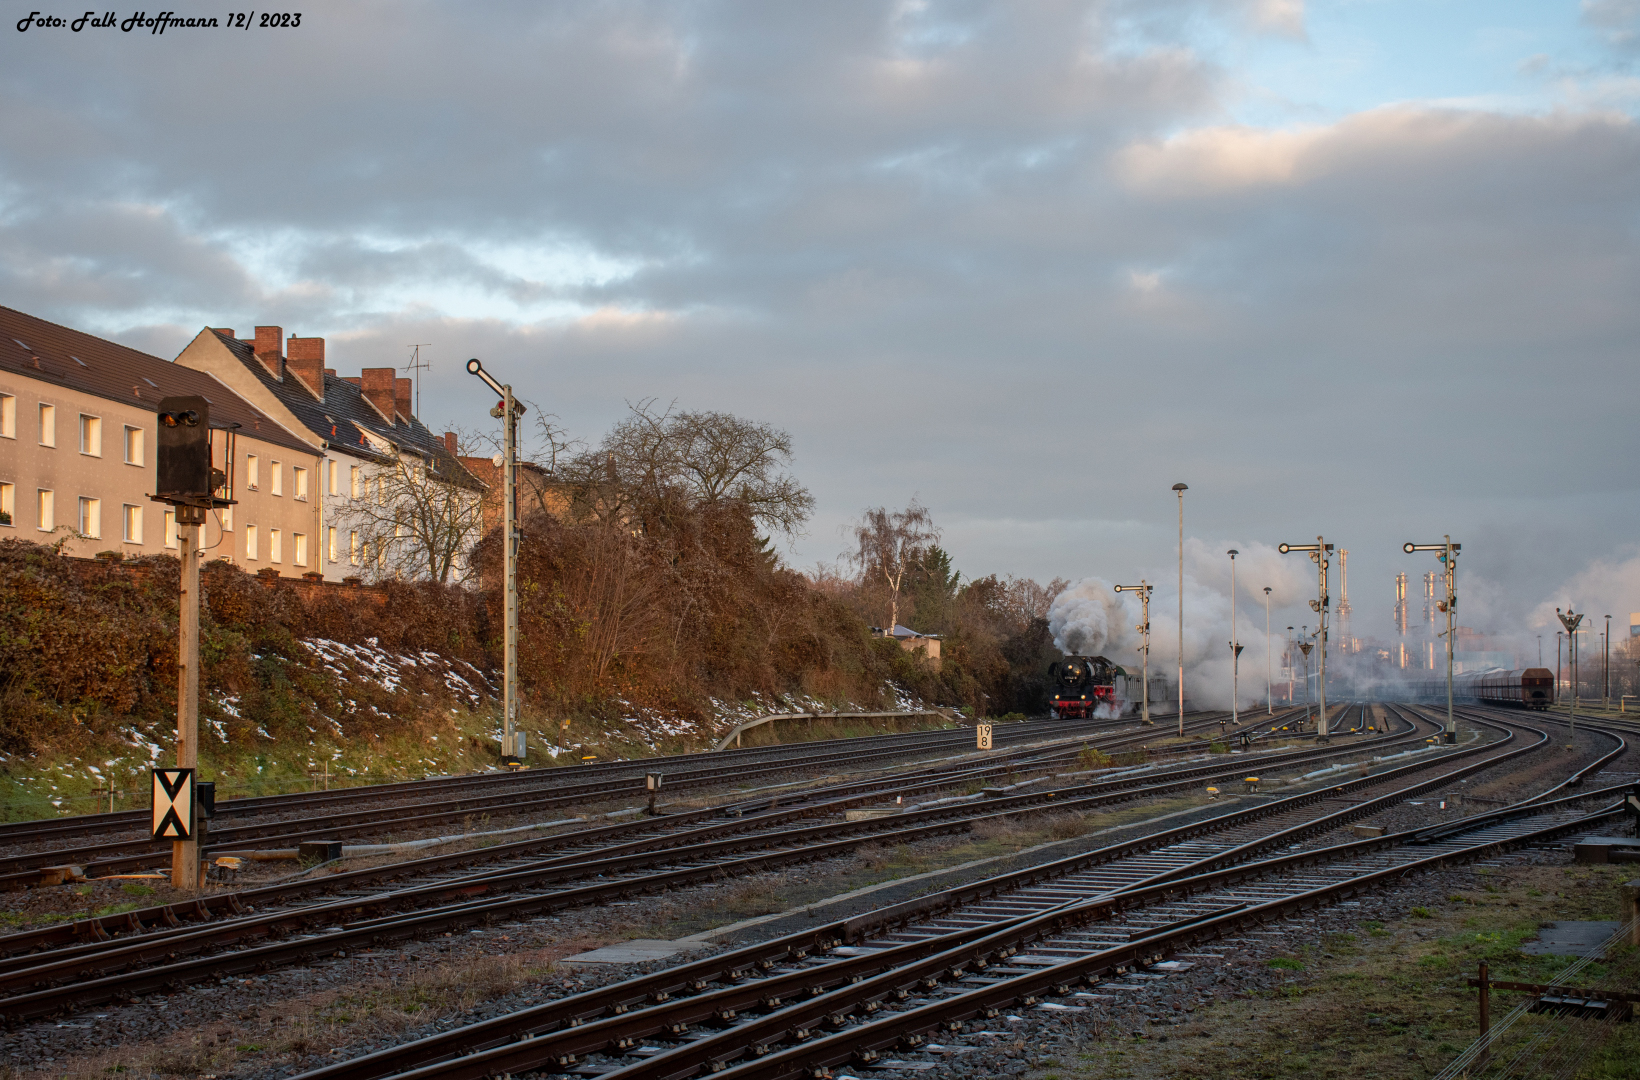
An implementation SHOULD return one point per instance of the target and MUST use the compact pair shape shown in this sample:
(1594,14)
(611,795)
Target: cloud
(1015,257)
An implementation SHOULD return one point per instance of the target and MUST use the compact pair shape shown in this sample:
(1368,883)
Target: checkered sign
(173,804)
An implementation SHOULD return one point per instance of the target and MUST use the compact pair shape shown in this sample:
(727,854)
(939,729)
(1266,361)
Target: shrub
(1285,963)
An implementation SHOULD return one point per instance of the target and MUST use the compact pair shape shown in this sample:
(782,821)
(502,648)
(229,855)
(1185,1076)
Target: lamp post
(1448,558)
(1318,553)
(1540,650)
(1143,589)
(1570,620)
(1180,489)
(1269,671)
(1235,650)
(507,411)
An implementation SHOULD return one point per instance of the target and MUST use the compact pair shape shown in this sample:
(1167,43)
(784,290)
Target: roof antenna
(418,365)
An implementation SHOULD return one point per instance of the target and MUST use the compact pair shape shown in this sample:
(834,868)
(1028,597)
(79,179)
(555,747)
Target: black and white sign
(173,804)
(982,736)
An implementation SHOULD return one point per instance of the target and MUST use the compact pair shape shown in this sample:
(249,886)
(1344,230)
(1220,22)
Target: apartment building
(376,458)
(77,430)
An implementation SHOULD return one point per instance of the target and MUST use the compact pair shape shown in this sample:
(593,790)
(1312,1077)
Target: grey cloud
(918,241)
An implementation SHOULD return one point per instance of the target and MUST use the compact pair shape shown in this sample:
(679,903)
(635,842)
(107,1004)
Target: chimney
(355,380)
(450,442)
(331,372)
(269,340)
(378,388)
(401,397)
(225,331)
(305,358)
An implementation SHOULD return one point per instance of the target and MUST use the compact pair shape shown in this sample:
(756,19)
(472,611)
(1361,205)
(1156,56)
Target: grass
(1390,999)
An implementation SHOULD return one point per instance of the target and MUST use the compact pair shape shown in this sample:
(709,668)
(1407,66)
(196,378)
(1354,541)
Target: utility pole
(1318,552)
(1269,670)
(1448,558)
(508,411)
(1143,590)
(1180,489)
(1606,669)
(1570,621)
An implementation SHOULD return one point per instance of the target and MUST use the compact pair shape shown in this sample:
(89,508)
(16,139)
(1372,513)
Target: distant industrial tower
(1344,599)
(1429,621)
(1401,616)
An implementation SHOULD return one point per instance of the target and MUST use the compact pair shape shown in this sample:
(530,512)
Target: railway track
(370,913)
(545,790)
(837,995)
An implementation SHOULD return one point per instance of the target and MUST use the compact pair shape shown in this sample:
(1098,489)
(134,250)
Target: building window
(252,478)
(330,542)
(250,541)
(133,524)
(133,446)
(91,435)
(299,542)
(355,481)
(274,485)
(8,417)
(91,518)
(298,483)
(330,477)
(8,505)
(274,545)
(45,510)
(227,518)
(353,548)
(48,425)
(170,528)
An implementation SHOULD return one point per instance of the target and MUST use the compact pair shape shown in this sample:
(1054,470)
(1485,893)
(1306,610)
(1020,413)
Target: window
(298,483)
(355,481)
(45,510)
(133,446)
(90,523)
(250,541)
(91,435)
(299,542)
(274,554)
(251,478)
(8,505)
(330,541)
(48,425)
(353,548)
(8,417)
(227,518)
(274,486)
(330,477)
(170,528)
(133,523)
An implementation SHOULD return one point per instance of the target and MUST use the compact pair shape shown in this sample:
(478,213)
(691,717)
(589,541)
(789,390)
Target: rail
(747,725)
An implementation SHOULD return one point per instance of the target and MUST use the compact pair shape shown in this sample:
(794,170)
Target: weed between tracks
(1387,1000)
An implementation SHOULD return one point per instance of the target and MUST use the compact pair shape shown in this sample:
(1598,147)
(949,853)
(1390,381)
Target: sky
(1357,268)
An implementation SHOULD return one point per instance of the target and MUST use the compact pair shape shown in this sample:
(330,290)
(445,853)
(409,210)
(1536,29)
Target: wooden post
(185,853)
(1486,1016)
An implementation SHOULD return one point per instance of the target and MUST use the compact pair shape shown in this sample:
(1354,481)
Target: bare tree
(414,518)
(890,544)
(656,459)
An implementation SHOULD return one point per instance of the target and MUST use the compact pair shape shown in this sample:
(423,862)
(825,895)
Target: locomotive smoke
(1091,619)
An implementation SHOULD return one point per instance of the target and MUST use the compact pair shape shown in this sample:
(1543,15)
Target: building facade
(77,431)
(392,498)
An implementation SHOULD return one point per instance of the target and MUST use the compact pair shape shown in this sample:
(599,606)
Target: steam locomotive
(1529,688)
(1082,684)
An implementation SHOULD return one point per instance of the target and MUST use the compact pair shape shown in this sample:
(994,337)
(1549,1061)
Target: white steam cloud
(1091,619)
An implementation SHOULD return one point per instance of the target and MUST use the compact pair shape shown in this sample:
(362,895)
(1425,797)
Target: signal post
(185,479)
